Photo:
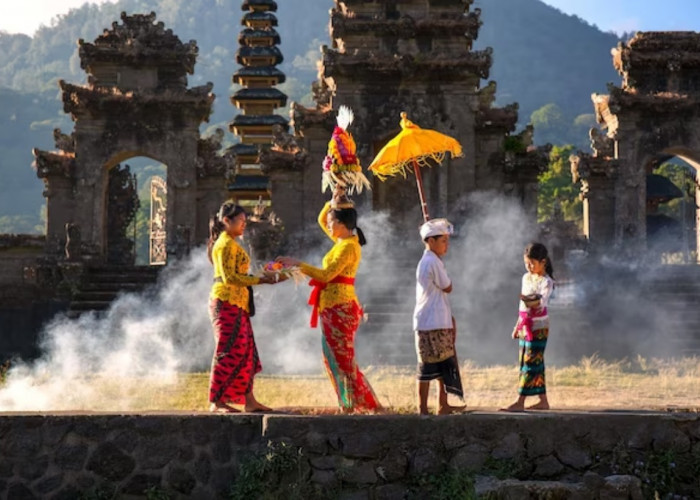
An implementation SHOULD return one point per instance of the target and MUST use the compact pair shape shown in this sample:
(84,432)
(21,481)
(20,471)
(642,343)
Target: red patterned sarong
(236,358)
(339,324)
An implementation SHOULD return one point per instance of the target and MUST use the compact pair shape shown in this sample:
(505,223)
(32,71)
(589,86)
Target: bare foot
(257,408)
(449,410)
(222,408)
(539,406)
(517,406)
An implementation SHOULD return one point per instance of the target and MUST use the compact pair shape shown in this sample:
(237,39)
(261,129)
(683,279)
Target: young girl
(532,328)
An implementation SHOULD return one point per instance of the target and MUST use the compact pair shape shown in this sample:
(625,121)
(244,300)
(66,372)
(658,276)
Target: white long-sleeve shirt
(433,311)
(543,286)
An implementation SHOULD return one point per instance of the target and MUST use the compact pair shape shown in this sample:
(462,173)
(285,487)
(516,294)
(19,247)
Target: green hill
(541,57)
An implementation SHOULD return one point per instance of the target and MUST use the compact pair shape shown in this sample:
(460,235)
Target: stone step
(112,287)
(121,278)
(95,296)
(88,305)
(101,285)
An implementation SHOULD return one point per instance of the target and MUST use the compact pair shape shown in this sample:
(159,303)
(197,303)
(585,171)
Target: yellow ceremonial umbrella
(411,149)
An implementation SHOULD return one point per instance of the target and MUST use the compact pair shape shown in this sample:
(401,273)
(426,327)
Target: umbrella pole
(421,194)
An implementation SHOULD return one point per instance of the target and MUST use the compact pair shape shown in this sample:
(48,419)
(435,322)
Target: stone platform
(480,454)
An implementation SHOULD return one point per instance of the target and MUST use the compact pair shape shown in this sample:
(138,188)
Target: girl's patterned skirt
(531,358)
(236,358)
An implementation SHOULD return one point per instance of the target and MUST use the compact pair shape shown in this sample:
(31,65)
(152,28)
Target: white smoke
(159,334)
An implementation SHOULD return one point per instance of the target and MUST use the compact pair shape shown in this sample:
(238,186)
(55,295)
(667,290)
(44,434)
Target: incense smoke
(156,335)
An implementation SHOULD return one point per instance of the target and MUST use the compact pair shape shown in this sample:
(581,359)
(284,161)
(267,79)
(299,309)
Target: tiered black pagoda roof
(260,71)
(270,5)
(252,33)
(259,16)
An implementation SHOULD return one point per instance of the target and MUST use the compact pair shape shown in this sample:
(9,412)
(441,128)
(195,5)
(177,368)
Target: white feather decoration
(345,117)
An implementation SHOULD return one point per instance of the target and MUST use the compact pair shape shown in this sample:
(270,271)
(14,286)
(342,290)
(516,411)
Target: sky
(609,15)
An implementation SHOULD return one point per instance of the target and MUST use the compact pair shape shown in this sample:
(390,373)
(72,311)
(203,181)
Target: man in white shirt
(434,326)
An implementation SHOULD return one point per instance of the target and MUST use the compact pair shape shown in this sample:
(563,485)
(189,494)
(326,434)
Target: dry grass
(592,384)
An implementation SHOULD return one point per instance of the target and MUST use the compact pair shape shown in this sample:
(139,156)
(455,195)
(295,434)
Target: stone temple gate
(136,103)
(414,56)
(652,117)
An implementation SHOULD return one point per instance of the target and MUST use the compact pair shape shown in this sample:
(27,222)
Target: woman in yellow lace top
(333,299)
(236,358)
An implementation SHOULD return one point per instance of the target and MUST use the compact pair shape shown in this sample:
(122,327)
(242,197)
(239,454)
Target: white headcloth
(436,227)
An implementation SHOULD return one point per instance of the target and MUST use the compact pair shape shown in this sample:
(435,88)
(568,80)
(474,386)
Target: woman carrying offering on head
(334,301)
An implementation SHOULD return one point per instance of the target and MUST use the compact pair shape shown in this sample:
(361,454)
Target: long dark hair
(348,218)
(216,223)
(538,251)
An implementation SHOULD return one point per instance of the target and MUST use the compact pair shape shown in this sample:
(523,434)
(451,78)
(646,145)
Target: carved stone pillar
(598,177)
(288,188)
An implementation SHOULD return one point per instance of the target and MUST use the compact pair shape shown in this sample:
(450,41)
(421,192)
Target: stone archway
(672,204)
(136,103)
(656,111)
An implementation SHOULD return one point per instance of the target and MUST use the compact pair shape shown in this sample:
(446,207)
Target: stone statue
(73,241)
(601,144)
(283,141)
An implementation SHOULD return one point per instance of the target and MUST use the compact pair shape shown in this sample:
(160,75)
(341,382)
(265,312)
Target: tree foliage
(556,186)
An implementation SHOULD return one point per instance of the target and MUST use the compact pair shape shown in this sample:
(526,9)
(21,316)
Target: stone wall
(551,455)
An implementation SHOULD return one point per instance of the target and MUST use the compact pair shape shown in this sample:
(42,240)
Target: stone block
(6,468)
(360,473)
(363,445)
(90,429)
(573,455)
(85,482)
(221,451)
(668,437)
(326,462)
(18,491)
(48,484)
(21,442)
(181,480)
(202,468)
(390,492)
(185,453)
(548,466)
(69,457)
(110,462)
(127,440)
(138,484)
(315,442)
(68,493)
(509,447)
(222,478)
(155,453)
(354,495)
(32,468)
(621,488)
(470,458)
(324,478)
(425,461)
(540,444)
(55,433)
(393,466)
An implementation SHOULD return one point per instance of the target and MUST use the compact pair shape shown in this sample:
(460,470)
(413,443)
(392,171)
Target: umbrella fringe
(407,165)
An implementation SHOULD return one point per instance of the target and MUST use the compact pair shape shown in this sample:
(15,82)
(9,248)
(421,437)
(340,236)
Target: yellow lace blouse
(342,260)
(231,265)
